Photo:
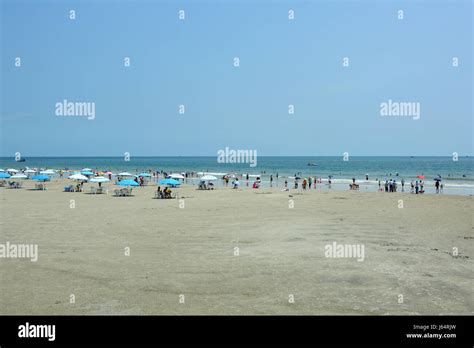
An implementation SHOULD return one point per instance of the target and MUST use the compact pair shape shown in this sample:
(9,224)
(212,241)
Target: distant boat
(21,160)
(312,164)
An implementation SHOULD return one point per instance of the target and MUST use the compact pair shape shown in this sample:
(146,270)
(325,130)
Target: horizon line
(210,156)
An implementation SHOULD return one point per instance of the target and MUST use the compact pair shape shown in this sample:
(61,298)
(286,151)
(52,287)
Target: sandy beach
(236,252)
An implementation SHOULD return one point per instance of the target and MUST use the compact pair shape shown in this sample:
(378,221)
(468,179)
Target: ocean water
(458,176)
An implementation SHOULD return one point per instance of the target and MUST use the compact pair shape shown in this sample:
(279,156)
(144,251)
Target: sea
(456,173)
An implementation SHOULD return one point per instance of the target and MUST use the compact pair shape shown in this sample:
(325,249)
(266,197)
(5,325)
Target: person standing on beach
(421,185)
(286,184)
(310,181)
(271,180)
(416,187)
(437,186)
(386,185)
(403,185)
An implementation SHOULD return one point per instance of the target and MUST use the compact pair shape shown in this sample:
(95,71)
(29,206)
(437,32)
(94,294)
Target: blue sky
(190,62)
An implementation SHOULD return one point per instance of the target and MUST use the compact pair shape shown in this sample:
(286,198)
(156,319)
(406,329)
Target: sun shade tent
(208,178)
(79,177)
(40,177)
(171,182)
(176,176)
(18,177)
(127,183)
(99,179)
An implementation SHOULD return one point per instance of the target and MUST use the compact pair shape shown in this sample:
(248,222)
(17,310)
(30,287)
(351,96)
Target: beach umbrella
(19,176)
(128,183)
(176,176)
(48,172)
(86,172)
(1,170)
(438,179)
(4,175)
(108,172)
(144,174)
(208,177)
(11,170)
(79,177)
(125,174)
(171,182)
(40,177)
(30,171)
(420,176)
(99,179)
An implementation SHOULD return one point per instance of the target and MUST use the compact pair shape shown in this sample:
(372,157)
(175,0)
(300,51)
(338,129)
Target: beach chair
(117,192)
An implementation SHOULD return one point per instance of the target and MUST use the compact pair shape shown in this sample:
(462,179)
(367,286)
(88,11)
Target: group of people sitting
(204,186)
(163,194)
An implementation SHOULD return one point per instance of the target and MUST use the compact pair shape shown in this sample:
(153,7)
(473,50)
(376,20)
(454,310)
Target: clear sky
(190,62)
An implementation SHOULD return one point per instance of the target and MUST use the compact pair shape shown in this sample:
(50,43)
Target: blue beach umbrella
(4,175)
(171,182)
(144,174)
(40,177)
(86,172)
(127,183)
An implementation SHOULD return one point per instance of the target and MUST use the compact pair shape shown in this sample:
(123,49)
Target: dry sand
(190,251)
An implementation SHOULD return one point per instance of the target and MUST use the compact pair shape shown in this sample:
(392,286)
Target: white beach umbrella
(11,170)
(18,176)
(30,171)
(99,179)
(208,177)
(86,170)
(48,172)
(125,174)
(78,177)
(176,176)
(1,170)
